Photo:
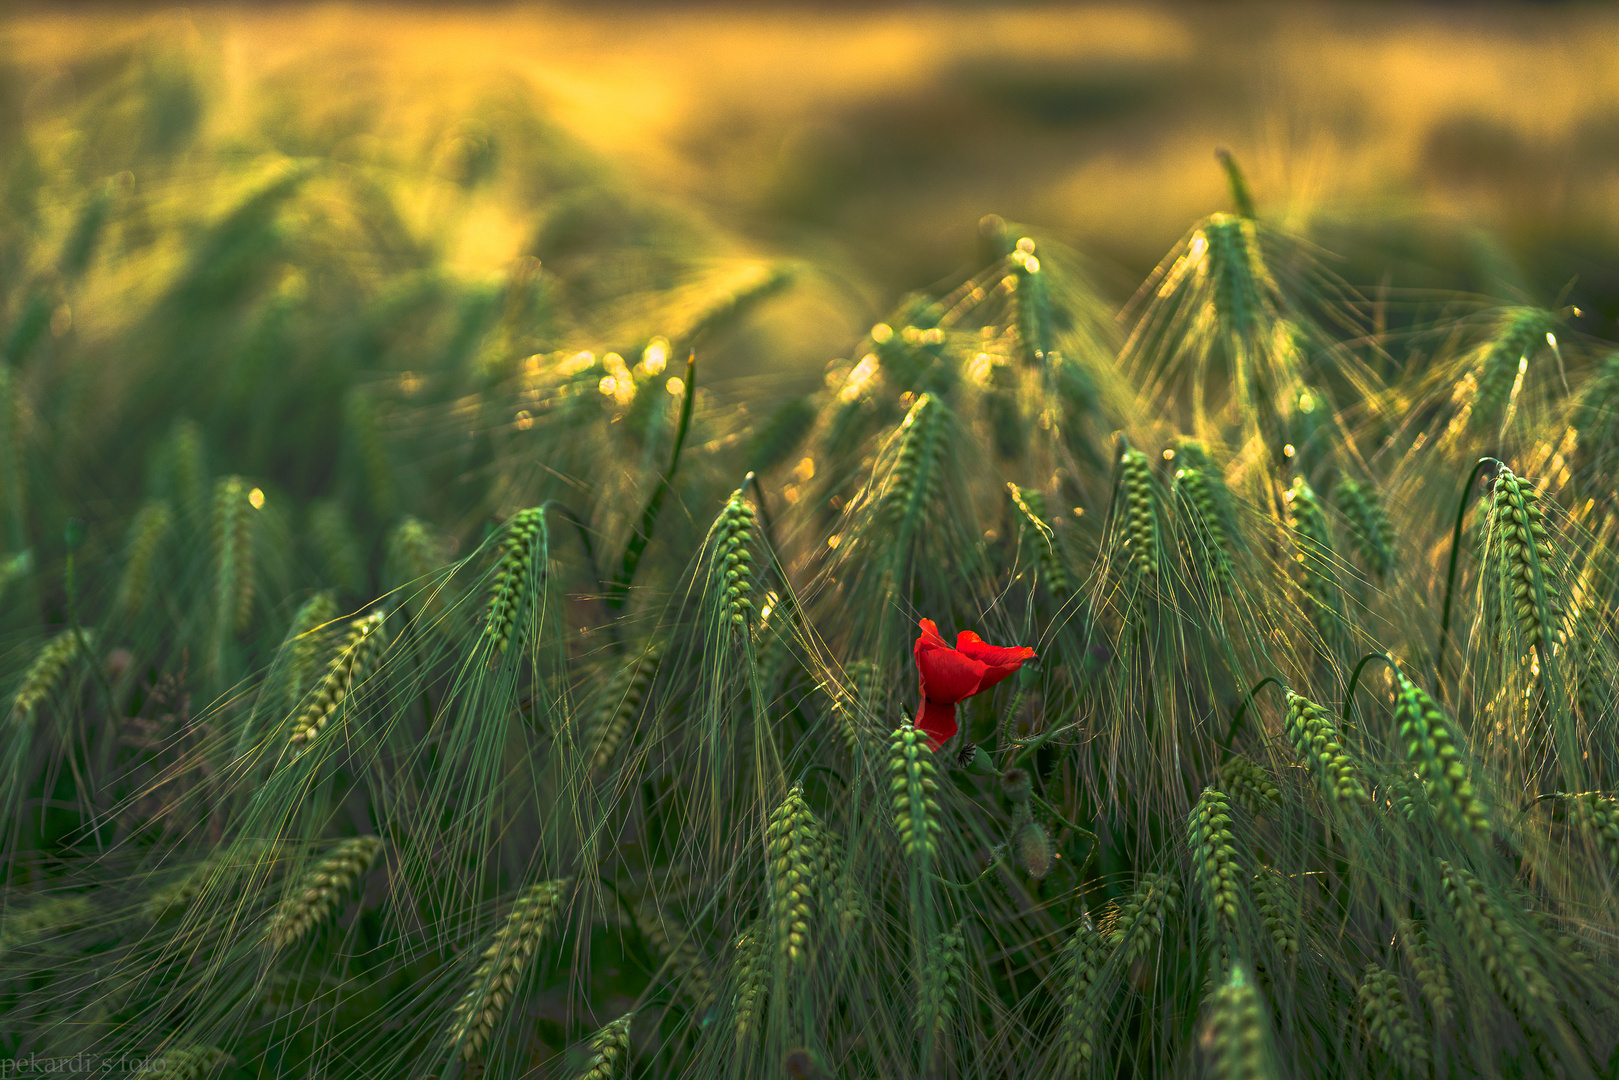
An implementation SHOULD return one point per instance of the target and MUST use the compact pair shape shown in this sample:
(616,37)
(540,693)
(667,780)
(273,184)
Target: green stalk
(619,593)
(1450,579)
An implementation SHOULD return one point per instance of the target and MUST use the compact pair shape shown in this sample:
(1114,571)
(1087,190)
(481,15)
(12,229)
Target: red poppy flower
(951,675)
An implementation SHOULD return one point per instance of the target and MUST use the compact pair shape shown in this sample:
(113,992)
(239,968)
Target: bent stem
(619,593)
(1450,577)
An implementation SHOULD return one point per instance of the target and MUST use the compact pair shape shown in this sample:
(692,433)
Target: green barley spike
(1388,1019)
(678,946)
(519,570)
(913,785)
(611,1046)
(1371,530)
(1278,905)
(1214,858)
(1250,785)
(189,1063)
(1314,734)
(1520,334)
(793,850)
(146,533)
(1211,546)
(46,671)
(1430,746)
(1081,1002)
(1139,521)
(496,980)
(1496,941)
(1040,538)
(914,480)
(1033,300)
(1314,558)
(322,889)
(735,538)
(1518,531)
(942,977)
(1235,1036)
(750,964)
(1139,924)
(234,579)
(856,703)
(1598,816)
(337,545)
(308,641)
(620,701)
(352,664)
(46,919)
(1429,967)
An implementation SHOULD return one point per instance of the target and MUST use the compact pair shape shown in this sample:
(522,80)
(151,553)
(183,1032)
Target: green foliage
(392,584)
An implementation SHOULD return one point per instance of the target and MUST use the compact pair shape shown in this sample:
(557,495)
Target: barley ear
(46,671)
(1430,746)
(1528,581)
(146,534)
(793,848)
(320,892)
(1495,940)
(190,1063)
(1138,925)
(504,962)
(1235,1035)
(913,785)
(1138,518)
(1250,785)
(1081,1005)
(611,1046)
(1214,859)
(519,567)
(940,989)
(1315,736)
(350,667)
(1388,1019)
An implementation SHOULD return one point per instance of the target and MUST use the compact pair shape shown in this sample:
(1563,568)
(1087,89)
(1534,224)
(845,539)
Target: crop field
(578,546)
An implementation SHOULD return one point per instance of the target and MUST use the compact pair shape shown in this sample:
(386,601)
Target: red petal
(948,676)
(931,636)
(998,661)
(937,721)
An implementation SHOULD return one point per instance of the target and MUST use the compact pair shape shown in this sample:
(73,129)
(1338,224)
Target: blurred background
(1465,147)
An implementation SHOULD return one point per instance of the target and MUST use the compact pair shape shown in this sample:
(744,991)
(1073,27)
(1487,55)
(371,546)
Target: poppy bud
(1034,849)
(1017,784)
(975,761)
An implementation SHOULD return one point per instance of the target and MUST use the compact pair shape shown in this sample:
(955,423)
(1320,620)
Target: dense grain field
(537,544)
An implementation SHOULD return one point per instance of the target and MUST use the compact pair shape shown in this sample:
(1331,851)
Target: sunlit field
(817,543)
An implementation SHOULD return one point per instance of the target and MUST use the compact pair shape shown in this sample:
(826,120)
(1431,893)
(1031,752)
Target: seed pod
(504,963)
(1315,735)
(1250,785)
(1430,746)
(321,891)
(612,1048)
(677,945)
(1214,858)
(1034,849)
(914,780)
(793,848)
(1388,1019)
